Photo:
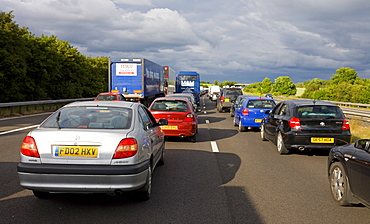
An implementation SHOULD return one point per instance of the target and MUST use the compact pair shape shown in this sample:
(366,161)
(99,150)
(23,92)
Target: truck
(138,79)
(188,81)
(169,75)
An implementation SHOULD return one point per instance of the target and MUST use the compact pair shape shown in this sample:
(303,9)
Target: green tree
(266,85)
(284,86)
(13,55)
(346,75)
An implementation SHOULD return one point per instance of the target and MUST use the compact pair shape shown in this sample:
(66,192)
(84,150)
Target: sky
(244,41)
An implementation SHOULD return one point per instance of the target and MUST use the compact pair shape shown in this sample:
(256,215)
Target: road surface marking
(19,129)
(207,121)
(214,146)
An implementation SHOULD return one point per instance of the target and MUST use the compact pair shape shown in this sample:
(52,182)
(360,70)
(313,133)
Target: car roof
(102,104)
(171,98)
(308,102)
(260,98)
(109,93)
(254,97)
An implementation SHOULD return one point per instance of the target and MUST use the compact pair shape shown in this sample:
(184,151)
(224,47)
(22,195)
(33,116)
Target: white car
(93,147)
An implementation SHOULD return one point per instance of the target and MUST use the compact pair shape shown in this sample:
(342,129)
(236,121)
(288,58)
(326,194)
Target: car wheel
(192,138)
(41,194)
(146,192)
(263,134)
(241,127)
(161,160)
(234,122)
(280,145)
(339,184)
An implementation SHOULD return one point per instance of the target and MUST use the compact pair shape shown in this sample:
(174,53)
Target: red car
(182,120)
(110,97)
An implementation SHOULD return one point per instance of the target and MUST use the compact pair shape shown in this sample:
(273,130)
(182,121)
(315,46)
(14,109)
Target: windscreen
(170,105)
(319,111)
(90,118)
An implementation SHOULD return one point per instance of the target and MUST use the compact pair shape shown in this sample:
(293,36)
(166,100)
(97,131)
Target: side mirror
(363,144)
(267,111)
(163,122)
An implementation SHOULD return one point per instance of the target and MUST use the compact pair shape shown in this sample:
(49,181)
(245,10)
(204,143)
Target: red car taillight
(222,98)
(29,148)
(189,117)
(126,148)
(295,123)
(245,112)
(345,125)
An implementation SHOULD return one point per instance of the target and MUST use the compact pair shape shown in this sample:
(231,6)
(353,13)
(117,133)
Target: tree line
(344,86)
(43,68)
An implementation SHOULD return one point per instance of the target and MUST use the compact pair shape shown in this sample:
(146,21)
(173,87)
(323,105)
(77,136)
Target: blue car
(250,111)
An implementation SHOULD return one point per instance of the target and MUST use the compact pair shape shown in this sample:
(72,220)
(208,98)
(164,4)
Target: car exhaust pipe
(182,136)
(118,192)
(301,148)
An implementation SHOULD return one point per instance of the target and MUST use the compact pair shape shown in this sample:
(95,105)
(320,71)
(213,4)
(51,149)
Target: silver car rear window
(90,118)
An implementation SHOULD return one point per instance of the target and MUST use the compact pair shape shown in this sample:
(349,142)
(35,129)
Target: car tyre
(339,184)
(241,127)
(161,160)
(234,122)
(146,192)
(280,145)
(192,138)
(41,194)
(231,113)
(263,134)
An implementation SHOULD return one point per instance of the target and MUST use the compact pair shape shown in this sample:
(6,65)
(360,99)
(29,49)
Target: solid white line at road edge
(214,146)
(19,129)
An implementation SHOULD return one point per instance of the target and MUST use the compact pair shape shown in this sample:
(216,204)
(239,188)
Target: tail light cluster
(222,99)
(126,148)
(29,147)
(345,125)
(245,112)
(295,123)
(189,117)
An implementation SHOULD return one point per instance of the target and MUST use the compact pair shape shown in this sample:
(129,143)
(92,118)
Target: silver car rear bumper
(87,179)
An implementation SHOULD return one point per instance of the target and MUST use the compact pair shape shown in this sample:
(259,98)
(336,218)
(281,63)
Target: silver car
(93,147)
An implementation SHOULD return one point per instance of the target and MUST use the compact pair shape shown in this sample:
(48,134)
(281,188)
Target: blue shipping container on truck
(139,79)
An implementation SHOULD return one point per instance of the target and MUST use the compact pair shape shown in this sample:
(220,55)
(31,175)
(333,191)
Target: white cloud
(246,40)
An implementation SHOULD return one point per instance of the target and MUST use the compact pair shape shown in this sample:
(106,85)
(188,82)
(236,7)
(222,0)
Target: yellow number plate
(322,140)
(227,100)
(169,127)
(257,120)
(76,151)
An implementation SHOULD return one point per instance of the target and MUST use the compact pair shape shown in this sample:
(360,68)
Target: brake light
(245,112)
(222,98)
(189,117)
(126,148)
(29,147)
(295,123)
(345,125)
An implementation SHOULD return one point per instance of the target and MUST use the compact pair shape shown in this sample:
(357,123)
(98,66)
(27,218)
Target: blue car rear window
(262,104)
